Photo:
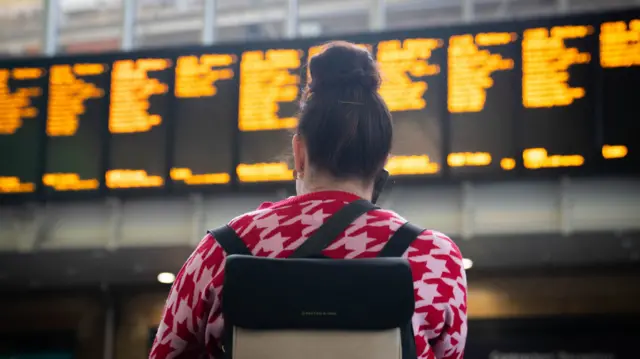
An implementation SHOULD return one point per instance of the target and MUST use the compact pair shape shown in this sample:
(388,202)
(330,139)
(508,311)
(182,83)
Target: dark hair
(345,123)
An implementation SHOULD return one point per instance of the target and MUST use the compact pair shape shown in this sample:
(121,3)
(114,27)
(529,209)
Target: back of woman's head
(344,122)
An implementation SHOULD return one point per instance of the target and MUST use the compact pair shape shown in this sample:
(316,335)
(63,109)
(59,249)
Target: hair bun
(343,65)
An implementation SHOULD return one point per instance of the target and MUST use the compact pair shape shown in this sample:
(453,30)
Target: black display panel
(482,75)
(204,119)
(620,86)
(556,121)
(138,115)
(22,117)
(413,73)
(553,96)
(77,114)
(270,81)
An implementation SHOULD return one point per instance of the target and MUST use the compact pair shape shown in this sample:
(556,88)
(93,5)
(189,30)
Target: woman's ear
(299,154)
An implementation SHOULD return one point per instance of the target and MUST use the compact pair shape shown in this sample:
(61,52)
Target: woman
(342,142)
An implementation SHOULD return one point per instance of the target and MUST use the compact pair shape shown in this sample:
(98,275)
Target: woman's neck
(349,186)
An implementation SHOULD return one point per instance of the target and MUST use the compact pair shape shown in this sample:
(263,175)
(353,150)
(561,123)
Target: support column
(565,207)
(115,223)
(468,10)
(467,209)
(563,6)
(31,236)
(291,29)
(50,31)
(209,22)
(378,15)
(109,325)
(198,219)
(129,10)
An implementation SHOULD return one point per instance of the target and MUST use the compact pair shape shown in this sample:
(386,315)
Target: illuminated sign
(546,60)
(131,89)
(132,179)
(480,95)
(12,184)
(196,76)
(136,120)
(15,106)
(268,78)
(19,128)
(463,159)
(620,44)
(610,152)
(185,175)
(69,182)
(508,164)
(264,172)
(620,57)
(405,66)
(411,165)
(204,116)
(553,94)
(471,68)
(535,158)
(77,111)
(67,96)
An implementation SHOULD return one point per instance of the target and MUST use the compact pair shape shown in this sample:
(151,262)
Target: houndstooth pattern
(192,323)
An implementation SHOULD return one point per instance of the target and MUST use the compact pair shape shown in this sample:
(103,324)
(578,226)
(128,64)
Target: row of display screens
(485,100)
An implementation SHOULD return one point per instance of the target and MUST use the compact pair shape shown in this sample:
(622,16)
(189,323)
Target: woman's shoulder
(302,216)
(288,211)
(430,241)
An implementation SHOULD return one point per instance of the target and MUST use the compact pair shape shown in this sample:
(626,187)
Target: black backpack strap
(401,240)
(396,247)
(332,228)
(229,240)
(408,341)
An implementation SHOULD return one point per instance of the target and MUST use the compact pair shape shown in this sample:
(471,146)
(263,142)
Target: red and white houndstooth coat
(192,323)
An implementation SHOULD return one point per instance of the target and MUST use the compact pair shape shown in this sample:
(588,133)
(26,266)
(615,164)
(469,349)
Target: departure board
(481,97)
(140,102)
(519,99)
(413,86)
(556,125)
(22,118)
(620,61)
(204,116)
(270,83)
(76,124)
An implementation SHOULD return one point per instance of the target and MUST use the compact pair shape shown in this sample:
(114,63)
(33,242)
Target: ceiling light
(467,263)
(166,278)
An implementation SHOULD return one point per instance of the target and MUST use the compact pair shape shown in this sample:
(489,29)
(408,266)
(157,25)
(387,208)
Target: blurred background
(552,258)
(105,25)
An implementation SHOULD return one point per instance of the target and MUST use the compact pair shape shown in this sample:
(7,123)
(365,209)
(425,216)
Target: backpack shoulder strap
(229,240)
(332,228)
(396,247)
(401,240)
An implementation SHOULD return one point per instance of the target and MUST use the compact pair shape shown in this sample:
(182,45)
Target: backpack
(309,306)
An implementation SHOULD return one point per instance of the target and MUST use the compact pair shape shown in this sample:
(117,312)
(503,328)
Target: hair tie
(352,103)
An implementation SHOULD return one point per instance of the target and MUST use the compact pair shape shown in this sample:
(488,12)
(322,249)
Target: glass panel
(20,27)
(162,23)
(244,20)
(89,26)
(333,17)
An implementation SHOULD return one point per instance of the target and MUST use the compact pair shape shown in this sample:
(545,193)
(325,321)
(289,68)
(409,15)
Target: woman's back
(340,147)
(192,323)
